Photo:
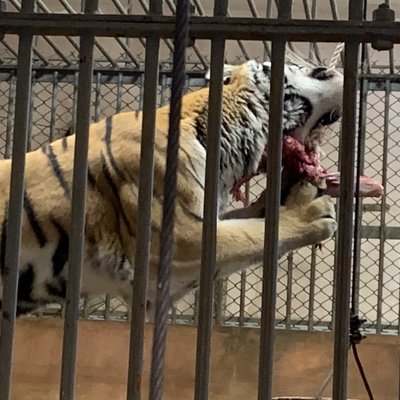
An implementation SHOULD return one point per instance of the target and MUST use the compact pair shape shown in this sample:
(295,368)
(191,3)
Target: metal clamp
(383,14)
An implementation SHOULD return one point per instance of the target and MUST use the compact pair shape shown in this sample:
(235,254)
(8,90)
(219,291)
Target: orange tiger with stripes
(112,210)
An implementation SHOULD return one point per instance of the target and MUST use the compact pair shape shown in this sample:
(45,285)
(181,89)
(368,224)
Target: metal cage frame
(154,28)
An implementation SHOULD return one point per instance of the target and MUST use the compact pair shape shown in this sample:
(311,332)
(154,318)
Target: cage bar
(54,103)
(78,209)
(358,208)
(163,300)
(10,115)
(289,291)
(209,234)
(243,28)
(272,206)
(145,196)
(11,265)
(311,299)
(345,217)
(382,236)
(31,108)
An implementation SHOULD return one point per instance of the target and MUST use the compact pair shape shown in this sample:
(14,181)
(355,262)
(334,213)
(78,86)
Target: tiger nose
(321,74)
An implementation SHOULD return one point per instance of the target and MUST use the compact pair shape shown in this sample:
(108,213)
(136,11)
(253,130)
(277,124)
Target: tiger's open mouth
(301,159)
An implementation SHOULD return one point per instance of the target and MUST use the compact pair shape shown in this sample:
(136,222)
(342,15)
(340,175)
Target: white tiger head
(312,96)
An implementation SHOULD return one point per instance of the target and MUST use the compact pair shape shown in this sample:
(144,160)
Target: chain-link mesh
(305,278)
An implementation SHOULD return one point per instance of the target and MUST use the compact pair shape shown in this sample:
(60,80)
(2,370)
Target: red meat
(300,162)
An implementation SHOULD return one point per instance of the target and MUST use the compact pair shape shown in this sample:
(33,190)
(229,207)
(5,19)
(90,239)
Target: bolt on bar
(163,302)
(209,234)
(143,234)
(272,206)
(78,208)
(345,217)
(15,205)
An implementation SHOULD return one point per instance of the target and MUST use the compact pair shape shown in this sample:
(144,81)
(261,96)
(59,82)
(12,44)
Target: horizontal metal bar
(124,76)
(128,76)
(245,28)
(373,232)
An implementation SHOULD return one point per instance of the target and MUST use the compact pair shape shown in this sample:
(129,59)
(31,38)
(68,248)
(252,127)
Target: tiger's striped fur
(111,218)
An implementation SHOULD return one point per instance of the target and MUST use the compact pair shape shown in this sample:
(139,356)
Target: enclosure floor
(302,361)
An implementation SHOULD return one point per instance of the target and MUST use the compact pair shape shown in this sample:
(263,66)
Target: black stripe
(37,229)
(107,138)
(26,308)
(25,284)
(64,143)
(3,244)
(121,263)
(58,289)
(114,191)
(189,212)
(60,256)
(56,168)
(91,180)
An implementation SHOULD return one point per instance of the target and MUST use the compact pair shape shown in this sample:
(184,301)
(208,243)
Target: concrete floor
(302,361)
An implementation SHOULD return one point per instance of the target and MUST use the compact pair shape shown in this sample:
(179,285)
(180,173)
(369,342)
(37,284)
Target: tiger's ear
(228,68)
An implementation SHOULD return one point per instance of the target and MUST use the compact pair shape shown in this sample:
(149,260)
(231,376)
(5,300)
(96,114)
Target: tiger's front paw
(312,215)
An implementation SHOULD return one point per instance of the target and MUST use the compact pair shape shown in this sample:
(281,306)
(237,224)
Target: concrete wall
(302,359)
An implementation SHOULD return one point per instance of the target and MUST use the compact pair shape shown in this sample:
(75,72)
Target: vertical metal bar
(163,89)
(31,108)
(196,308)
(173,314)
(345,231)
(311,300)
(208,256)
(362,120)
(97,98)
(219,297)
(10,116)
(15,204)
(78,207)
(86,303)
(54,103)
(141,90)
(75,101)
(272,203)
(242,304)
(107,307)
(143,235)
(163,300)
(289,292)
(119,93)
(382,236)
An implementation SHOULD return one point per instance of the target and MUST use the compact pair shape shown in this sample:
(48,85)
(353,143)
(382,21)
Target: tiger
(111,218)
